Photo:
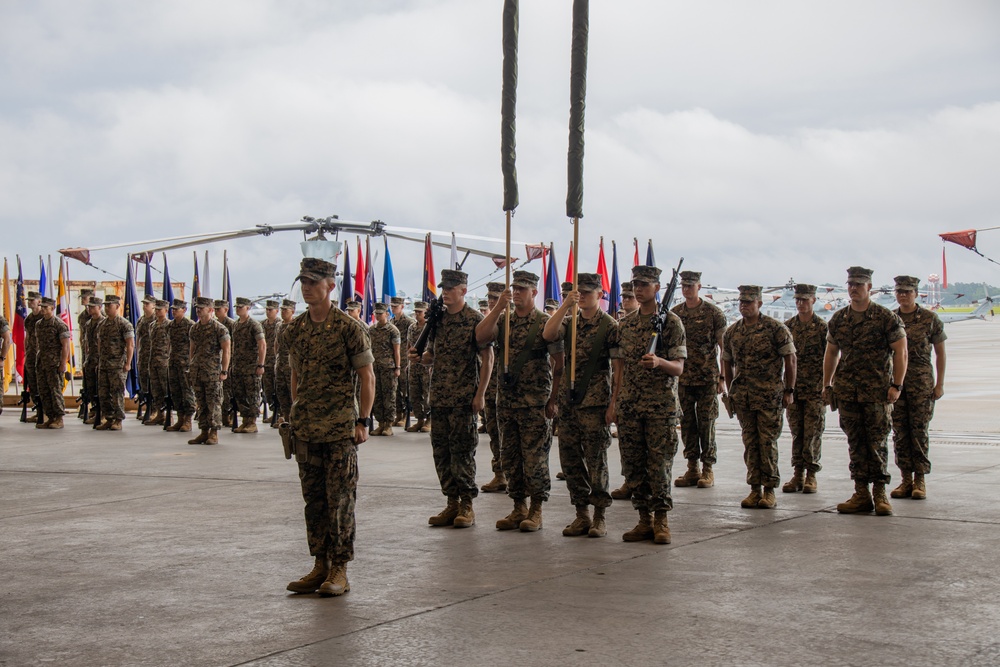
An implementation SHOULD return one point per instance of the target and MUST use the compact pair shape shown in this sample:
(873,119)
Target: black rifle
(97,412)
(25,399)
(660,317)
(235,412)
(168,410)
(275,407)
(264,403)
(84,400)
(435,313)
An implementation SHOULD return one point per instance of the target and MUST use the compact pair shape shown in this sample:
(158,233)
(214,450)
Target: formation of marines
(330,374)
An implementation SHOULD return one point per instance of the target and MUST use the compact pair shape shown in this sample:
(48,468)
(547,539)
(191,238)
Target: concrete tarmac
(134,548)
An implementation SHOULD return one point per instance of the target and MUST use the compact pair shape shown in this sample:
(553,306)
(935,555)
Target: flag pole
(506,322)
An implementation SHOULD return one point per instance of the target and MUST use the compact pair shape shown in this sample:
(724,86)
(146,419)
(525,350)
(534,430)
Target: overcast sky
(761,140)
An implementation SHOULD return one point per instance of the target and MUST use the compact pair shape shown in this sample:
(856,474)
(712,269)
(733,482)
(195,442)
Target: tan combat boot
(56,422)
(691,477)
(200,438)
(415,426)
(242,427)
(277,421)
(861,501)
(466,517)
(767,500)
(905,488)
(794,485)
(310,582)
(809,486)
(661,531)
(176,426)
(400,421)
(643,530)
(387,430)
(213,437)
(185,426)
(707,479)
(751,500)
(89,420)
(622,493)
(43,424)
(919,487)
(495,485)
(377,431)
(116,425)
(598,528)
(426,428)
(336,581)
(534,520)
(250,426)
(882,506)
(514,519)
(158,418)
(227,419)
(581,524)
(445,517)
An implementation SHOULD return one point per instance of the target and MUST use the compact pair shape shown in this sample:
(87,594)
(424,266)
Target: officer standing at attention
(385,344)
(912,413)
(699,386)
(116,341)
(404,323)
(210,355)
(327,350)
(31,351)
(758,363)
(54,342)
(91,367)
(142,327)
(458,389)
(419,376)
(247,367)
(527,399)
(863,370)
(806,414)
(159,362)
(181,393)
(82,318)
(499,482)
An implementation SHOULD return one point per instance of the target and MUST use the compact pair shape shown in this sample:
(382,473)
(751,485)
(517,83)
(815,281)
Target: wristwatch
(789,390)
(367,422)
(897,387)
(224,372)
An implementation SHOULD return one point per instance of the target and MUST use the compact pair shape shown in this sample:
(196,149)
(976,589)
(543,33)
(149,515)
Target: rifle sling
(526,353)
(592,362)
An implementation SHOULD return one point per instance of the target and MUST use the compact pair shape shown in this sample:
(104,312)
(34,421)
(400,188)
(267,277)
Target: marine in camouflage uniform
(116,342)
(249,350)
(700,384)
(419,380)
(142,330)
(865,362)
(404,323)
(95,306)
(585,412)
(755,349)
(327,350)
(53,340)
(458,389)
(159,363)
(354,312)
(268,386)
(385,344)
(912,413)
(181,393)
(629,305)
(647,410)
(806,414)
(499,481)
(282,369)
(222,315)
(82,318)
(210,357)
(31,351)
(526,401)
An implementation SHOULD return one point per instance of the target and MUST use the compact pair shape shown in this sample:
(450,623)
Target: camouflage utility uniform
(227,384)
(112,340)
(143,327)
(268,386)
(30,353)
(807,414)
(324,357)
(49,336)
(181,393)
(383,338)
(419,381)
(159,364)
(282,371)
(206,366)
(92,365)
(243,367)
(403,323)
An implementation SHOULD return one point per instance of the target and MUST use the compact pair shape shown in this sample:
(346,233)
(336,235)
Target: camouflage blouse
(455,376)
(179,331)
(324,357)
(159,344)
(924,329)
(647,392)
(281,364)
(93,349)
(142,331)
(864,339)
(810,346)
(50,334)
(383,337)
(270,339)
(207,339)
(533,386)
(703,325)
(245,335)
(112,336)
(757,352)
(30,346)
(598,392)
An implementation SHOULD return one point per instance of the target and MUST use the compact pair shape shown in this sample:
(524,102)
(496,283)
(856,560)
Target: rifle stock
(25,397)
(168,409)
(235,410)
(435,311)
(660,318)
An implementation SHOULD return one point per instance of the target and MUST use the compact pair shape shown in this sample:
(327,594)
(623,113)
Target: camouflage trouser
(526,439)
(143,373)
(700,409)
(584,438)
(181,394)
(806,421)
(453,440)
(89,380)
(208,396)
(867,427)
(761,430)
(493,430)
(402,386)
(50,389)
(30,381)
(648,446)
(420,390)
(268,386)
(159,384)
(111,392)
(911,421)
(283,387)
(227,391)
(246,391)
(384,408)
(330,488)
